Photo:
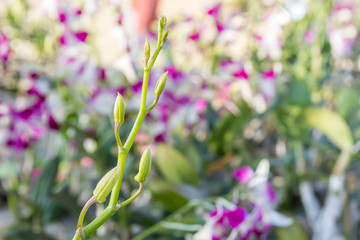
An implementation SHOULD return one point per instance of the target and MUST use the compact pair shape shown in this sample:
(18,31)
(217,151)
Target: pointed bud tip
(119,109)
(160,84)
(147,49)
(162,22)
(144,166)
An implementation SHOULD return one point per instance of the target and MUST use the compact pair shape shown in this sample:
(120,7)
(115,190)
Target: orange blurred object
(145,13)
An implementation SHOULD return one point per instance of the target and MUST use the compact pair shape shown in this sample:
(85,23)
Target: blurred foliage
(316,107)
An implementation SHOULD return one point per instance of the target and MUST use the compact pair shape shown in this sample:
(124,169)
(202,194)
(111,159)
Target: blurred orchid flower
(4,49)
(230,221)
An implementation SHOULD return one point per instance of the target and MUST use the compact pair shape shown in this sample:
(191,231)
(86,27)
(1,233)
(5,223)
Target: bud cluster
(111,181)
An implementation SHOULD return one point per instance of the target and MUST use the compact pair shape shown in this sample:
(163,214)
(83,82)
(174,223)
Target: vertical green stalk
(119,111)
(115,192)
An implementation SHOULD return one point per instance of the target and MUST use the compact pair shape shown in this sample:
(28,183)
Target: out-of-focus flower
(310,36)
(201,105)
(215,12)
(86,162)
(297,9)
(145,12)
(4,49)
(269,33)
(244,174)
(268,85)
(242,74)
(342,30)
(231,221)
(222,221)
(36,173)
(263,198)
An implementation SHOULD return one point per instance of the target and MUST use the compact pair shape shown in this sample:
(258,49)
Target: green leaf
(67,202)
(19,234)
(41,193)
(174,166)
(295,232)
(167,194)
(46,181)
(347,100)
(8,170)
(299,93)
(331,124)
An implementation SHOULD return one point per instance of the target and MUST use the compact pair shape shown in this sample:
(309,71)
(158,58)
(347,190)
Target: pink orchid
(4,49)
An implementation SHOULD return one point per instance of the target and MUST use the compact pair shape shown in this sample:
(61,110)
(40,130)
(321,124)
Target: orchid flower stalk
(111,181)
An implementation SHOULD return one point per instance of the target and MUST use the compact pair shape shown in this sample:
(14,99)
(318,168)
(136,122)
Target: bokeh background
(270,86)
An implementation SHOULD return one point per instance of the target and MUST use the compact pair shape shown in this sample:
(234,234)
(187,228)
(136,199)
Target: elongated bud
(162,23)
(106,184)
(147,49)
(119,109)
(166,33)
(144,166)
(160,85)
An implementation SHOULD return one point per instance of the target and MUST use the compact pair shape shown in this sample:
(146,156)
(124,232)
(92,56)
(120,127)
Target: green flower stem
(117,137)
(123,151)
(142,112)
(153,58)
(114,205)
(108,212)
(153,104)
(116,190)
(76,237)
(141,115)
(160,225)
(133,197)
(97,222)
(90,202)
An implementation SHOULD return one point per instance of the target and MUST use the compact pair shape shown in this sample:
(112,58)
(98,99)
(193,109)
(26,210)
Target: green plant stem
(142,111)
(87,205)
(141,115)
(108,212)
(153,104)
(117,137)
(113,207)
(153,58)
(299,158)
(133,197)
(97,222)
(158,226)
(76,237)
(341,163)
(116,190)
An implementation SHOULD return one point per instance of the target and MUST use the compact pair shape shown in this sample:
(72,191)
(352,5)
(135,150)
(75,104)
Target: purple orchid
(230,221)
(310,36)
(244,174)
(342,30)
(222,221)
(4,49)
(241,74)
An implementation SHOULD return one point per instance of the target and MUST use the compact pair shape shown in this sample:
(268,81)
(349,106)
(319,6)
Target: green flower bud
(119,109)
(166,33)
(106,184)
(147,49)
(144,166)
(160,85)
(162,23)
